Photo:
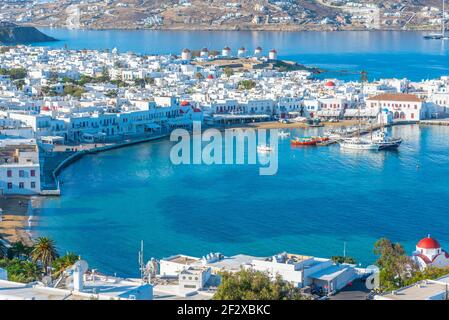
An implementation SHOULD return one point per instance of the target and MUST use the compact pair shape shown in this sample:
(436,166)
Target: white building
(423,290)
(241,52)
(204,53)
(226,52)
(307,271)
(186,55)
(3,274)
(258,52)
(429,253)
(19,167)
(403,107)
(273,55)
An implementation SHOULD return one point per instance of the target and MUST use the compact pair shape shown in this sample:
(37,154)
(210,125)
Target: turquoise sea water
(320,199)
(383,54)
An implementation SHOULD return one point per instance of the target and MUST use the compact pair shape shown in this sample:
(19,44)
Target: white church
(429,253)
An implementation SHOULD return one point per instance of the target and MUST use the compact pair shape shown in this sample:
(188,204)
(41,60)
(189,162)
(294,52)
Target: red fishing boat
(304,142)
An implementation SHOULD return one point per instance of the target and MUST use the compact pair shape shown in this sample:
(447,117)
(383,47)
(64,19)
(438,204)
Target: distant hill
(275,15)
(11,33)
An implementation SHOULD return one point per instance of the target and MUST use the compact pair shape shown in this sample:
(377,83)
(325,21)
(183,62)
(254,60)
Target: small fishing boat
(325,143)
(304,142)
(283,134)
(264,148)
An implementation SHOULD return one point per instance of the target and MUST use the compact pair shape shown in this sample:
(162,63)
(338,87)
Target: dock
(435,122)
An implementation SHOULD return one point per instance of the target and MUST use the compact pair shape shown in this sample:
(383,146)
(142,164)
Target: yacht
(283,134)
(385,142)
(442,35)
(357,143)
(265,148)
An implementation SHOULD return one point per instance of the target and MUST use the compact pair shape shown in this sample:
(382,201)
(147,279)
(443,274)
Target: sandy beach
(15,219)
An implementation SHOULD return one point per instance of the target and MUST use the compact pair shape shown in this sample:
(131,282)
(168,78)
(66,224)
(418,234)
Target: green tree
(111,94)
(44,251)
(228,72)
(3,249)
(254,285)
(199,76)
(14,73)
(431,273)
(75,91)
(19,250)
(149,80)
(247,84)
(396,268)
(340,259)
(20,271)
(64,262)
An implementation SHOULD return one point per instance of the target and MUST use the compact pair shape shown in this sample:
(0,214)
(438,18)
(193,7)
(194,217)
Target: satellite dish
(69,282)
(47,281)
(82,265)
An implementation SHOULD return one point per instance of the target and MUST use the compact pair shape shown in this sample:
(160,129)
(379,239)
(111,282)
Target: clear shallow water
(320,198)
(382,54)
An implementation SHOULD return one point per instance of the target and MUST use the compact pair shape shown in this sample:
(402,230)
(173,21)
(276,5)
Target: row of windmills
(226,52)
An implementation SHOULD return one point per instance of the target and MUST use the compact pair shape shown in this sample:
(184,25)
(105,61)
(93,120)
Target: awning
(361,113)
(329,274)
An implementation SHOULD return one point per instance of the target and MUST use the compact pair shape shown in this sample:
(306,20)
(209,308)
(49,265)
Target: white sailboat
(358,143)
(442,35)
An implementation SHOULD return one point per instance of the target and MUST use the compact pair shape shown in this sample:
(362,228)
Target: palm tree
(44,251)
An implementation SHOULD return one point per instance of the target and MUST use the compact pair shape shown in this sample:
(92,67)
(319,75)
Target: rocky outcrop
(11,33)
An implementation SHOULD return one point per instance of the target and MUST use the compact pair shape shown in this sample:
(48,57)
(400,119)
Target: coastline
(231,28)
(17,219)
(18,211)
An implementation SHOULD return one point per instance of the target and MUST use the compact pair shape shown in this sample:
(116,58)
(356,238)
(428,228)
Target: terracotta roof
(395,97)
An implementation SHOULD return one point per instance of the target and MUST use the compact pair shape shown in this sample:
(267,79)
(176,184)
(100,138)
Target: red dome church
(430,254)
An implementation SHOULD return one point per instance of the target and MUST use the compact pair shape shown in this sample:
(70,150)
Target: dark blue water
(344,54)
(320,199)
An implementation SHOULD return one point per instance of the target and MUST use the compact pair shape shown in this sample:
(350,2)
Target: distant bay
(383,54)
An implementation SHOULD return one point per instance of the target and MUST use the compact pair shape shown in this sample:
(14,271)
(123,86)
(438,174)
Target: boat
(265,148)
(304,142)
(326,143)
(357,143)
(385,142)
(442,35)
(283,134)
(316,123)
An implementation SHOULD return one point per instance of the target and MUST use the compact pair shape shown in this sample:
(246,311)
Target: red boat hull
(304,143)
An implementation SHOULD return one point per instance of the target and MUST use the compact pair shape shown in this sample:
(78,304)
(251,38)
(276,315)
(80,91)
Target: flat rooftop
(233,263)
(18,291)
(181,259)
(422,291)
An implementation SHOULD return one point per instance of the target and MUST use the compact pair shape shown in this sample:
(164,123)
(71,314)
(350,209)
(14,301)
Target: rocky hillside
(13,34)
(228,14)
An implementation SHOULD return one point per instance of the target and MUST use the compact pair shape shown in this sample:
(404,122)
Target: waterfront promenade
(63,155)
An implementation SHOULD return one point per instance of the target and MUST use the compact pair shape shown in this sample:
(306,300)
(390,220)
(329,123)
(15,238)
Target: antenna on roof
(141,261)
(344,249)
